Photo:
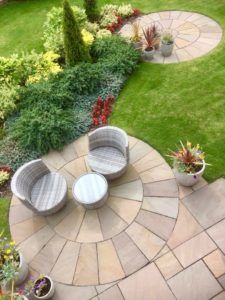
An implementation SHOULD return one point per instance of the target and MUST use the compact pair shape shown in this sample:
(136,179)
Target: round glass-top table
(90,190)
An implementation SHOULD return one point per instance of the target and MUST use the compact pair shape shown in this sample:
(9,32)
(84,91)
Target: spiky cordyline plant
(188,159)
(149,39)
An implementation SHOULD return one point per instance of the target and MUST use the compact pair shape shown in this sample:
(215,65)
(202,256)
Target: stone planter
(137,45)
(51,291)
(22,272)
(166,49)
(186,179)
(148,54)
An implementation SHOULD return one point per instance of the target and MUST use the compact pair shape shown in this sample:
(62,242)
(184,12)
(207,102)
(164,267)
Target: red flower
(104,119)
(136,12)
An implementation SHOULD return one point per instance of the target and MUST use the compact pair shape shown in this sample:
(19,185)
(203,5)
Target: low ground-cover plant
(57,110)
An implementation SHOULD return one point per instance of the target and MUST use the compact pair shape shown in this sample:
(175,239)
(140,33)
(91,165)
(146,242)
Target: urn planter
(47,291)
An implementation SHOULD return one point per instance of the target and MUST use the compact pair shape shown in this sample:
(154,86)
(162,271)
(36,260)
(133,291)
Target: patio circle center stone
(83,247)
(194,34)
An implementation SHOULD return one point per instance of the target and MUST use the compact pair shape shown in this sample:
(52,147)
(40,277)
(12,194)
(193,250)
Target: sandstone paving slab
(111,293)
(101,288)
(19,213)
(158,224)
(221,280)
(183,55)
(168,265)
(68,292)
(130,175)
(56,218)
(157,173)
(184,15)
(195,51)
(171,59)
(111,223)
(32,245)
(15,201)
(81,145)
(64,268)
(55,159)
(149,161)
(194,249)
(200,184)
(87,266)
(76,167)
(132,141)
(90,229)
(207,205)
(164,250)
(132,190)
(23,230)
(186,227)
(69,178)
(68,153)
(195,282)
(126,209)
(165,188)
(44,261)
(70,225)
(161,205)
(175,14)
(220,296)
(129,254)
(184,191)
(216,262)
(217,233)
(164,15)
(137,287)
(149,243)
(139,150)
(109,269)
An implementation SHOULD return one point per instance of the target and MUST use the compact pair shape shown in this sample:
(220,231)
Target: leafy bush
(102,33)
(91,10)
(41,130)
(110,12)
(4,176)
(9,97)
(13,155)
(53,33)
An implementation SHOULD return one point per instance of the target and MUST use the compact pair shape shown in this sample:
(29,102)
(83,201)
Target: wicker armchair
(39,189)
(108,151)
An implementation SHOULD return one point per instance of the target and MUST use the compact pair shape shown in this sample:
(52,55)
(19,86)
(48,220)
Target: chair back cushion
(25,178)
(110,136)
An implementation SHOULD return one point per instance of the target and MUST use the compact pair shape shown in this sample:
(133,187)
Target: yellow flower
(87,37)
(12,243)
(8,251)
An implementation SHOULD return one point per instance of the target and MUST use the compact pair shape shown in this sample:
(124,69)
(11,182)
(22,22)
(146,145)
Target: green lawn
(160,104)
(4,210)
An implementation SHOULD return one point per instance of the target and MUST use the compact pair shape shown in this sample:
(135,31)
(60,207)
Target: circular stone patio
(94,247)
(195,34)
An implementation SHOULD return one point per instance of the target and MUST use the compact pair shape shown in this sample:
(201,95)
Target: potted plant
(167,43)
(136,37)
(43,287)
(149,49)
(189,164)
(156,35)
(7,279)
(10,254)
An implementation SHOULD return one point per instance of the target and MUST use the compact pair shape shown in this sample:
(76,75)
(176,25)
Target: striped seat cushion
(48,191)
(106,160)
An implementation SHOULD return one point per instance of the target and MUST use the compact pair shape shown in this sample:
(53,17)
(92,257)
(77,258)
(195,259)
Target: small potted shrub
(188,163)
(167,43)
(136,36)
(149,49)
(157,35)
(43,287)
(9,254)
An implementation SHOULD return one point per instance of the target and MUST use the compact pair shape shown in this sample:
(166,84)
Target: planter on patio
(22,271)
(43,288)
(167,44)
(188,179)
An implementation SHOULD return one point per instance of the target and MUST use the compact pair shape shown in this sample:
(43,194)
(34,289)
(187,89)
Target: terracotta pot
(50,293)
(187,179)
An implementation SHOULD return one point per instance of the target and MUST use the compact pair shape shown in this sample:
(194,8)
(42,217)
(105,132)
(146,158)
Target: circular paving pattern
(194,34)
(93,247)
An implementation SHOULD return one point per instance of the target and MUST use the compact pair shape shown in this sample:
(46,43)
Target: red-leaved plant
(101,110)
